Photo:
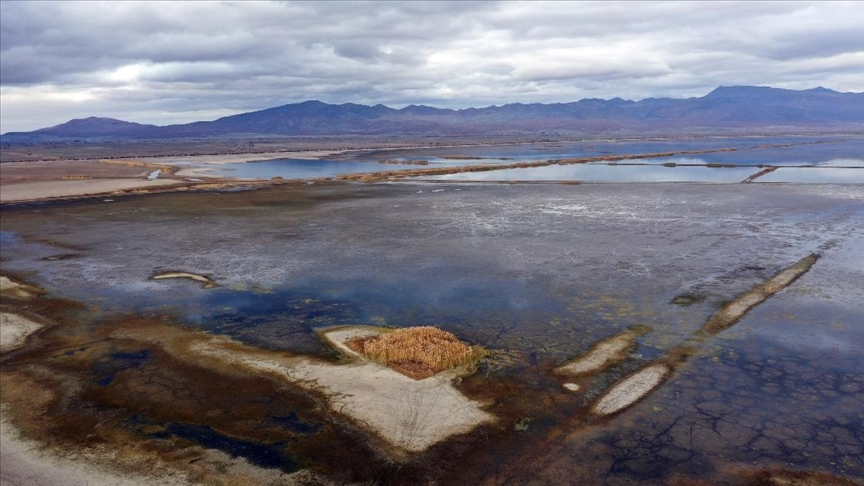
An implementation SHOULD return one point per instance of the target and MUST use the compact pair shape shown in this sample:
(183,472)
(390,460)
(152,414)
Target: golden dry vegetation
(165,168)
(418,352)
(403,162)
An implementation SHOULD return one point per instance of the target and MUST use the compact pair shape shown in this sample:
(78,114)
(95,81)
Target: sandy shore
(602,355)
(26,462)
(408,414)
(14,330)
(30,191)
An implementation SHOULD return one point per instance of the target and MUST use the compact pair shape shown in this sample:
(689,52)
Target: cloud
(152,62)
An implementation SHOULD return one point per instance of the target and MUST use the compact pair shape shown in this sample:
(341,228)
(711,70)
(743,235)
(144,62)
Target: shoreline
(237,158)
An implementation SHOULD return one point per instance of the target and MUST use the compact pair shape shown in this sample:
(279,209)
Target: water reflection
(748,150)
(608,173)
(740,151)
(823,175)
(299,168)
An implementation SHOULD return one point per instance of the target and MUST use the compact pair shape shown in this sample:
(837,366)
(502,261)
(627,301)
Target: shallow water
(537,273)
(748,150)
(298,168)
(815,175)
(655,172)
(607,173)
(845,150)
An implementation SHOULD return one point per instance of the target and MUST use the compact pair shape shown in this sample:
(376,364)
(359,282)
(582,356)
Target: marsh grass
(418,352)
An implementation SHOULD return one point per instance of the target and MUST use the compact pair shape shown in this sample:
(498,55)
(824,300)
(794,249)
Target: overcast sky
(176,62)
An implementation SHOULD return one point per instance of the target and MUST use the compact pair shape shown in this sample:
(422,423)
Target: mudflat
(540,275)
(27,191)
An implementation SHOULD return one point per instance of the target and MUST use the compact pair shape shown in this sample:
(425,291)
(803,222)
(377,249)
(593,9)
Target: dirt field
(28,191)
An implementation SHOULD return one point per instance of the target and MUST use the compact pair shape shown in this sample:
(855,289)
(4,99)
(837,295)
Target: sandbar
(735,310)
(602,355)
(629,390)
(207,281)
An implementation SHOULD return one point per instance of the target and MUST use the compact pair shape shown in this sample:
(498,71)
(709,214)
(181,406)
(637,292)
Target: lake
(537,274)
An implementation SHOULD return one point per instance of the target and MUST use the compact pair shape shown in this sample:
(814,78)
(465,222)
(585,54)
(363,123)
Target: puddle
(294,423)
(107,368)
(263,455)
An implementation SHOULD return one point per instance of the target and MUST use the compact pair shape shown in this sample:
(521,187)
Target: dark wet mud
(537,275)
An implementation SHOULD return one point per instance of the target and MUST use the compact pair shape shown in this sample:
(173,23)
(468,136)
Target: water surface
(607,173)
(816,175)
(536,273)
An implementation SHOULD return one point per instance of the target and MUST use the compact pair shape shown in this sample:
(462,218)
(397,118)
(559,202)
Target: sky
(177,62)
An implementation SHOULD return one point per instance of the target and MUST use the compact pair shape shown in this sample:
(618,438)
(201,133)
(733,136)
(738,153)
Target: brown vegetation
(436,171)
(167,169)
(403,162)
(418,352)
(759,174)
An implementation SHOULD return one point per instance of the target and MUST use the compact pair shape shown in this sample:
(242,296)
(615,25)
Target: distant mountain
(94,127)
(725,107)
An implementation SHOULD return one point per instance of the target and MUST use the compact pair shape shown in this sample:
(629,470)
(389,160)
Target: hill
(725,107)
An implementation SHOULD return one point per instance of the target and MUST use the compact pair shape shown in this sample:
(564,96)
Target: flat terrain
(255,147)
(537,274)
(25,191)
(814,158)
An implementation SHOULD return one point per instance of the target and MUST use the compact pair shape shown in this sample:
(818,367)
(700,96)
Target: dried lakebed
(237,383)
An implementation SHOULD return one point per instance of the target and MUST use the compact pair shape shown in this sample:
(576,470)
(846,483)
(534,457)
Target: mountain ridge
(723,107)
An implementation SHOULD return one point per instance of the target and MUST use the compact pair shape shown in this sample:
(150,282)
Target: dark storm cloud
(167,62)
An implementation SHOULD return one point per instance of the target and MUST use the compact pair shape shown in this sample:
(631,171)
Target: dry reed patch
(417,352)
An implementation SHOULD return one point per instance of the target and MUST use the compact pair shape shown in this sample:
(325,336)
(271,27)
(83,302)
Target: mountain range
(724,107)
